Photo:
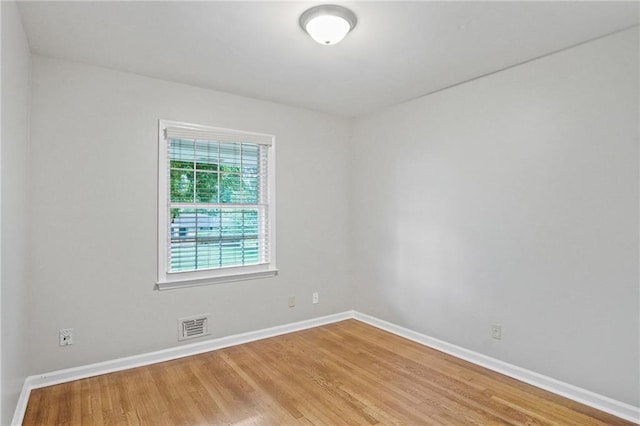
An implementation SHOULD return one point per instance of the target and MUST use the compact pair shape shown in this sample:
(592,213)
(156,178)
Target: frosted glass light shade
(328,24)
(327,29)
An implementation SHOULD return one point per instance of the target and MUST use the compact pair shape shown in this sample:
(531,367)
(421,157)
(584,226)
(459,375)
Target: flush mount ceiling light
(328,24)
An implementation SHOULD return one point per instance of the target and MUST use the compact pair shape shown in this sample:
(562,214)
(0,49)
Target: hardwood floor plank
(341,373)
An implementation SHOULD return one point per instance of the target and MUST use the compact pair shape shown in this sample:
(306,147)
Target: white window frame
(170,280)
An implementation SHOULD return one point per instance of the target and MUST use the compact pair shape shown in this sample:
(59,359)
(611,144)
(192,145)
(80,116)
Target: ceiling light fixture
(328,24)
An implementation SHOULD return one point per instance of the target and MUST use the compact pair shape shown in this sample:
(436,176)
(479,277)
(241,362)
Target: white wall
(16,66)
(93,217)
(512,200)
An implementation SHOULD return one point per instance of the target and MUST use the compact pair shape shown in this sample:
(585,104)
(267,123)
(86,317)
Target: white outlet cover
(66,337)
(496,331)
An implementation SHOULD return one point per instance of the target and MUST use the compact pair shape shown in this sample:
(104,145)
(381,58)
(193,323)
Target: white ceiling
(398,50)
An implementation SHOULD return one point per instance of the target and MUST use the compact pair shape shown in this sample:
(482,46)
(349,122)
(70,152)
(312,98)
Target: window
(216,216)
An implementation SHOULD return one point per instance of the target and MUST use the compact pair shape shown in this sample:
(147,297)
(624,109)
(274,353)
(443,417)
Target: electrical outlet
(292,301)
(496,331)
(66,336)
(315,298)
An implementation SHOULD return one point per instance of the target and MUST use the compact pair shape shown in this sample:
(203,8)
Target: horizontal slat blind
(219,135)
(218,199)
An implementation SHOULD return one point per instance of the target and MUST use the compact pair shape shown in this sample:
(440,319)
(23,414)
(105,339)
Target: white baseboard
(21,407)
(600,402)
(70,374)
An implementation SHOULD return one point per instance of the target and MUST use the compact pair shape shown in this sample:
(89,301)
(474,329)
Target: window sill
(170,285)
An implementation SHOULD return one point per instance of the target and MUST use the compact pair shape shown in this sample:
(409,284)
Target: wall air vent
(192,327)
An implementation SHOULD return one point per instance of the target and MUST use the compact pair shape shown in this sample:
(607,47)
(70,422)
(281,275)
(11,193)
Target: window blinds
(218,198)
(203,133)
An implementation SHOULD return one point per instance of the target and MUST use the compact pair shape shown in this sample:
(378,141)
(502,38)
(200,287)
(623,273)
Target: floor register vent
(192,327)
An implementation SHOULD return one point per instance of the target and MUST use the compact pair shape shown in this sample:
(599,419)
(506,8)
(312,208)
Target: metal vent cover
(192,327)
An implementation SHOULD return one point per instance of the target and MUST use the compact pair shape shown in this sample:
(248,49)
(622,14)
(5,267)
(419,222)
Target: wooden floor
(342,373)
